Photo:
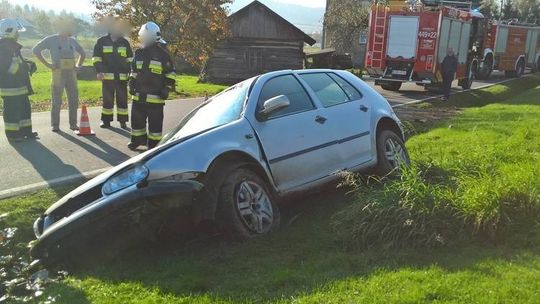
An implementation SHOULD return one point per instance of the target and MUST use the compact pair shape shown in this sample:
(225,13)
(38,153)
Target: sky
(85,7)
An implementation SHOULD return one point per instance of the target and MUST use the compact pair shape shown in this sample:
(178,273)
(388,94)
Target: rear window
(331,89)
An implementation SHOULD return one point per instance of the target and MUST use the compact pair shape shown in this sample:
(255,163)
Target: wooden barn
(261,41)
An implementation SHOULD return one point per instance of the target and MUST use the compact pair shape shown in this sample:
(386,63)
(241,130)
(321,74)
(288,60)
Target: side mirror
(273,104)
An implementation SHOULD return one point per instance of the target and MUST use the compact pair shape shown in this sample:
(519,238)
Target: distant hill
(307,19)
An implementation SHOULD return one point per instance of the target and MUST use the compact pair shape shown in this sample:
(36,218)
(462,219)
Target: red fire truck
(408,45)
(510,48)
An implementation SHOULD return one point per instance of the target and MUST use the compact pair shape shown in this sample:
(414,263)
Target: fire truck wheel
(486,69)
(520,69)
(391,86)
(467,82)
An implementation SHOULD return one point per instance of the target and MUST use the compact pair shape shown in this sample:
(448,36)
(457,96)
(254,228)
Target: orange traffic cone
(84,126)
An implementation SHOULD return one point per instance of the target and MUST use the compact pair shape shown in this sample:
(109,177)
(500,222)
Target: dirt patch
(417,118)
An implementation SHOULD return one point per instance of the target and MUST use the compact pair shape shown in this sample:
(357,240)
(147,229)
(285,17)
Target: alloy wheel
(395,153)
(254,207)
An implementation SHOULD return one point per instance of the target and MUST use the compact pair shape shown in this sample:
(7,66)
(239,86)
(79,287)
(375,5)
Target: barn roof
(308,39)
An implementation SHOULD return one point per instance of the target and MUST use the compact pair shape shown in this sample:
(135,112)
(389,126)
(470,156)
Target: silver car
(231,159)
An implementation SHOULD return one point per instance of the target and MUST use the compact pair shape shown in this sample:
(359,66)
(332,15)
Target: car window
(351,91)
(289,86)
(219,110)
(328,91)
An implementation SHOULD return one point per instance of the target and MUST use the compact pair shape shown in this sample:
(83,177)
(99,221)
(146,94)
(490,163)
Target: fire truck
(511,48)
(408,44)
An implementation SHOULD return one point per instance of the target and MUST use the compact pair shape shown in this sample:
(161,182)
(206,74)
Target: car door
(297,141)
(346,112)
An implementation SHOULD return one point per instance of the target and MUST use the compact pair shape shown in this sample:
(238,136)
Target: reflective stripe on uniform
(155,136)
(139,64)
(123,76)
(108,76)
(129,59)
(25,123)
(154,99)
(155,67)
(122,111)
(138,132)
(12,126)
(107,49)
(107,112)
(170,75)
(13,91)
(15,64)
(97,59)
(133,75)
(122,50)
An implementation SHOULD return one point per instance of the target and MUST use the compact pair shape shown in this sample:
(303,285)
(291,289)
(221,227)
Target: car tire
(487,68)
(391,86)
(391,153)
(246,207)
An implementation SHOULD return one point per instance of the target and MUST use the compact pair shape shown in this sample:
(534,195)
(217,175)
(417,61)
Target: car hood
(197,150)
(92,185)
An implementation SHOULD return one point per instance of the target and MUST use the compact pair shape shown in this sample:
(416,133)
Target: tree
(529,10)
(489,8)
(191,28)
(509,11)
(344,21)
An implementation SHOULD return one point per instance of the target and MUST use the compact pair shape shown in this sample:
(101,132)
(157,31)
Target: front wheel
(391,153)
(467,82)
(246,208)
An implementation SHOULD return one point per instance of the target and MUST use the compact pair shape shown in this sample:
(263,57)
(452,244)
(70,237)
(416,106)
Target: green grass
(90,90)
(305,262)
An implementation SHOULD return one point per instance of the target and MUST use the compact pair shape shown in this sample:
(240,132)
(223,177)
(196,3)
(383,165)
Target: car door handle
(320,119)
(363,108)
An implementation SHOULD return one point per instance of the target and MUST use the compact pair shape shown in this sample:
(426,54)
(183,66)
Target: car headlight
(125,179)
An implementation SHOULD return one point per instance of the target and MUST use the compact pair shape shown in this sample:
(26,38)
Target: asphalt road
(59,158)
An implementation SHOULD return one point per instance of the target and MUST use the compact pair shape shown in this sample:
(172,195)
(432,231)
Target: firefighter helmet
(149,34)
(10,27)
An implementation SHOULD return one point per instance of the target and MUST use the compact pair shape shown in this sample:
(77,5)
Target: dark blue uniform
(15,88)
(449,68)
(151,80)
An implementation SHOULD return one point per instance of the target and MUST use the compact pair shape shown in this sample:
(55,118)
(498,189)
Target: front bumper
(105,213)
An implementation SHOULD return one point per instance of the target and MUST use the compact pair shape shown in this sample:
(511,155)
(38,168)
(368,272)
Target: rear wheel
(391,153)
(391,86)
(246,208)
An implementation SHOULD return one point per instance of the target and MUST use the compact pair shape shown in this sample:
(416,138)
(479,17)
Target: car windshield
(219,110)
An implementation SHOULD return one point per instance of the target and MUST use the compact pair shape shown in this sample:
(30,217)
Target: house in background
(261,41)
(356,48)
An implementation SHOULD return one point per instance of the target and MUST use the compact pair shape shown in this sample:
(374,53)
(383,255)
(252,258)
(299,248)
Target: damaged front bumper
(106,213)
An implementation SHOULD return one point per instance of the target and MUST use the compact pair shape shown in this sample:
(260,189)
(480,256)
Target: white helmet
(149,34)
(10,27)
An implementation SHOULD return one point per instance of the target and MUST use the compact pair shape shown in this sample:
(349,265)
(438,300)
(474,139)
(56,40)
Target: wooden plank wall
(239,59)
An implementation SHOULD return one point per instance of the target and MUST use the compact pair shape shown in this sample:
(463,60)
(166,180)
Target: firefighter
(449,68)
(112,59)
(15,84)
(62,48)
(151,80)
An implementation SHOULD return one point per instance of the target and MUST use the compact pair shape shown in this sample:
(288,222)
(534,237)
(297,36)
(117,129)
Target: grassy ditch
(476,175)
(461,226)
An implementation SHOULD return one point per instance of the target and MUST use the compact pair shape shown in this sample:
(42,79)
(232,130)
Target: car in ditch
(234,157)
